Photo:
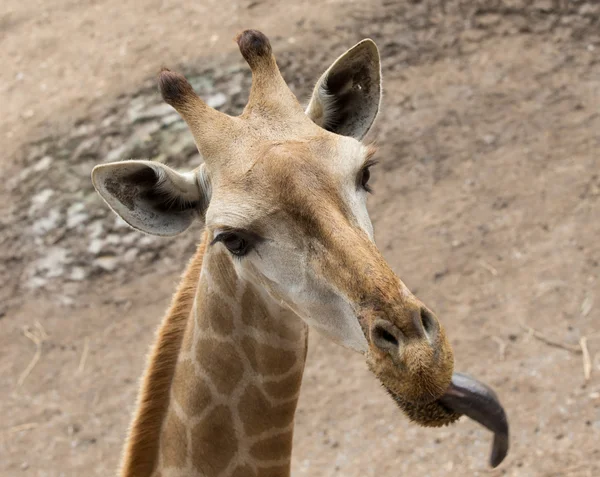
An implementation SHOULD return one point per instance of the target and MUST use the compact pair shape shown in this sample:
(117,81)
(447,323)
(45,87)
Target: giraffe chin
(469,397)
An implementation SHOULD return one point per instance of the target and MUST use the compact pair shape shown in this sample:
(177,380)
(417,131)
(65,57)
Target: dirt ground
(487,205)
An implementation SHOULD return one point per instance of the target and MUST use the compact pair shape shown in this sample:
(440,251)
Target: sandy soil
(487,205)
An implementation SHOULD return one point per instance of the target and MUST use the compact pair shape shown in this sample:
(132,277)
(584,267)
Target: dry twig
(587,362)
(84,355)
(23,427)
(488,267)
(551,342)
(38,336)
(501,346)
(587,305)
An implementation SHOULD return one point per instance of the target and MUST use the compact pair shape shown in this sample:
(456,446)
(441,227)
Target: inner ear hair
(158,191)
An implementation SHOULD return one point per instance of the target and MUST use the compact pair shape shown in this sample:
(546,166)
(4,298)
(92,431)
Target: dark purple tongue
(476,400)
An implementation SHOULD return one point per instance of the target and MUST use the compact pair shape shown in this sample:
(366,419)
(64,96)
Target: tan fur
(223,380)
(141,451)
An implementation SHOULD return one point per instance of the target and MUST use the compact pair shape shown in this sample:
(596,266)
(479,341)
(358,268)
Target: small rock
(73,429)
(24,466)
(587,9)
(216,100)
(195,160)
(108,263)
(96,229)
(65,300)
(170,119)
(75,208)
(152,112)
(50,265)
(180,144)
(39,200)
(37,282)
(113,239)
(96,246)
(76,220)
(43,164)
(489,139)
(130,255)
(120,224)
(77,274)
(43,225)
(131,238)
(147,241)
(117,153)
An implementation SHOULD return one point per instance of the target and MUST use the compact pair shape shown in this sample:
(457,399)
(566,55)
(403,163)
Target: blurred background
(487,205)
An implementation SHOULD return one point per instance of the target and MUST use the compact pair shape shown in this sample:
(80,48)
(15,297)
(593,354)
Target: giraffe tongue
(476,400)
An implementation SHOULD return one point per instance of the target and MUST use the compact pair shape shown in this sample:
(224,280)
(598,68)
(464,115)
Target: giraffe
(287,245)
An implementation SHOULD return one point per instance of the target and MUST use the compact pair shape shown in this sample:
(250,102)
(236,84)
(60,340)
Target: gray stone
(76,215)
(77,274)
(131,238)
(108,263)
(151,112)
(43,225)
(96,229)
(130,255)
(39,200)
(76,220)
(117,153)
(216,100)
(96,246)
(43,164)
(170,119)
(52,263)
(120,224)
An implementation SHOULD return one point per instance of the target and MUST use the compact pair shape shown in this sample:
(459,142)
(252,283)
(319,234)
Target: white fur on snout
(288,278)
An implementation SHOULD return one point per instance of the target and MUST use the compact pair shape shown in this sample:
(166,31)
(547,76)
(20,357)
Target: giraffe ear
(346,98)
(152,197)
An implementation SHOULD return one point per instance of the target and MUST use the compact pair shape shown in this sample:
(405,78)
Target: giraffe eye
(365,175)
(239,243)
(236,244)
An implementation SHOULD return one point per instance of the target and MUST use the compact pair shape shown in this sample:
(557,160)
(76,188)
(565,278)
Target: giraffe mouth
(469,397)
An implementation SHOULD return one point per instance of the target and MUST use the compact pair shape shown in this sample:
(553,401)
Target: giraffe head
(284,191)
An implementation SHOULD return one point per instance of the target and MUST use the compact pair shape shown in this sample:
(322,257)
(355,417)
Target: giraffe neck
(222,385)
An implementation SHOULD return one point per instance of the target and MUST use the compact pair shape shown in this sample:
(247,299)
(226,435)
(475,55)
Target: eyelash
(366,171)
(248,242)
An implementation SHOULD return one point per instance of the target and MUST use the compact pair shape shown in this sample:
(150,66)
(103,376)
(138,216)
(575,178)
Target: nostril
(429,323)
(385,336)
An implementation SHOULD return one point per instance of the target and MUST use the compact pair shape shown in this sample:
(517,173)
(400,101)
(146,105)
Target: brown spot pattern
(253,408)
(243,471)
(173,441)
(286,388)
(267,360)
(273,448)
(219,318)
(254,311)
(275,471)
(191,392)
(222,364)
(214,442)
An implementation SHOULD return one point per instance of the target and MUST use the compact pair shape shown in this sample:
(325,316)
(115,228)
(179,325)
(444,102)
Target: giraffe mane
(141,453)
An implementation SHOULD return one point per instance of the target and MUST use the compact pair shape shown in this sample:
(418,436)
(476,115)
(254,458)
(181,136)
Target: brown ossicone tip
(254,46)
(174,88)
